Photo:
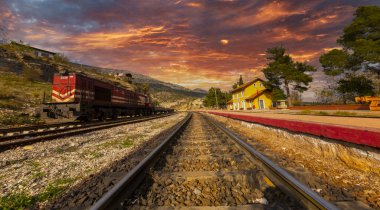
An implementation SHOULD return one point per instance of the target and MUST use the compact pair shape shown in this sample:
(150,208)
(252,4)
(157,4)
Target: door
(261,104)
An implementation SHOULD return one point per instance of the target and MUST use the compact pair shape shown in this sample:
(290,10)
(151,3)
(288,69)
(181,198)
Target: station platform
(358,130)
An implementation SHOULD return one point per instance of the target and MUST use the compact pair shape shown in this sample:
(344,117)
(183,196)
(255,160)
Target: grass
(19,94)
(322,113)
(36,170)
(17,119)
(54,189)
(17,201)
(337,113)
(123,142)
(344,114)
(96,154)
(24,201)
(17,91)
(67,149)
(306,112)
(127,143)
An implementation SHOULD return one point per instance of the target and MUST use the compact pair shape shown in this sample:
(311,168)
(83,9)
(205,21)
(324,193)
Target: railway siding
(65,164)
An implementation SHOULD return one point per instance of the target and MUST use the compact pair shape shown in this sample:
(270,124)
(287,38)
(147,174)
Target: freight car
(76,96)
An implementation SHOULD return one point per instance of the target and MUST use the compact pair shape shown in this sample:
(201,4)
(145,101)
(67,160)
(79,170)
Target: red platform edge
(352,135)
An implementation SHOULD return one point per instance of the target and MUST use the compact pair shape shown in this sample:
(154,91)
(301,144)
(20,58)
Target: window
(261,84)
(254,85)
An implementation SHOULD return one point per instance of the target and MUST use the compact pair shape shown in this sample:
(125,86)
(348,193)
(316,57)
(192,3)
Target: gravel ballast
(45,170)
(340,173)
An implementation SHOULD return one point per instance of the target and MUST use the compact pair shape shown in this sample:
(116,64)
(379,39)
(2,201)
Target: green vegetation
(54,189)
(309,112)
(337,113)
(17,201)
(23,200)
(96,154)
(283,71)
(16,119)
(238,83)
(344,114)
(17,92)
(36,170)
(352,67)
(216,98)
(120,143)
(127,143)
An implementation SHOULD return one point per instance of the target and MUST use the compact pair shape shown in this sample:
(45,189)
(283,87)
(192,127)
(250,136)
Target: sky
(194,43)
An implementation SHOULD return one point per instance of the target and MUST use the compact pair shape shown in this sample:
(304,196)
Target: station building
(249,96)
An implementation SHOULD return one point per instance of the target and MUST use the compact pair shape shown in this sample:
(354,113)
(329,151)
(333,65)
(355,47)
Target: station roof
(243,86)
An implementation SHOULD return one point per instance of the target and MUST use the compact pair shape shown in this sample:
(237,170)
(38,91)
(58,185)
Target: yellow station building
(249,96)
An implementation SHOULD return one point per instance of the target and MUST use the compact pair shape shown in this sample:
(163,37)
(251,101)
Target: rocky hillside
(25,77)
(156,86)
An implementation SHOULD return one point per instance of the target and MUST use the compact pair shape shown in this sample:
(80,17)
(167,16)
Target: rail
(111,197)
(279,176)
(25,138)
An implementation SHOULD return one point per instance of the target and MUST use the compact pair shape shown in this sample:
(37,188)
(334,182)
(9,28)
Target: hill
(156,87)
(25,78)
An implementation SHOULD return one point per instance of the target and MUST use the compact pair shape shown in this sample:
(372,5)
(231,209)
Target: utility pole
(216,99)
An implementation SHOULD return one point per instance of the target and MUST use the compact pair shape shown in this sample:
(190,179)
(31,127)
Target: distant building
(38,52)
(3,41)
(249,96)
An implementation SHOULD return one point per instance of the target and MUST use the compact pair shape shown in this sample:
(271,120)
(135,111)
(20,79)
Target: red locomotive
(79,97)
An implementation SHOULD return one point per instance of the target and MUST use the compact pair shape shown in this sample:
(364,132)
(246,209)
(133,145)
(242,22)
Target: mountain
(156,86)
(199,90)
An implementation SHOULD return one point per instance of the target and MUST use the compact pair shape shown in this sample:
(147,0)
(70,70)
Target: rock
(197,191)
(261,201)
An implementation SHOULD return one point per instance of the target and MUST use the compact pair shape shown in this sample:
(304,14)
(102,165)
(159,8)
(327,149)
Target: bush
(14,119)
(31,74)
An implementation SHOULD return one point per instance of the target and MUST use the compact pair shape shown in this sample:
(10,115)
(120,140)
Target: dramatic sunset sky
(196,44)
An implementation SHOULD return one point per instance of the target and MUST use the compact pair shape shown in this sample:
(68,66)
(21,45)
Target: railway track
(202,164)
(26,135)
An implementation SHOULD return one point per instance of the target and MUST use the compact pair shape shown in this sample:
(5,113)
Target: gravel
(339,172)
(67,162)
(205,168)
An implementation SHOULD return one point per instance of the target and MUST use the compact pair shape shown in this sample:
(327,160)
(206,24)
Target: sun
(224,41)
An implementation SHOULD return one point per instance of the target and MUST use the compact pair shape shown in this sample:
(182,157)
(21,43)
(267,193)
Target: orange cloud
(113,40)
(194,4)
(269,12)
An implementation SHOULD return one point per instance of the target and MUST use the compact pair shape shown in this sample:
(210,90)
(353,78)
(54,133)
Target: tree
(362,36)
(282,71)
(215,94)
(354,85)
(325,96)
(238,83)
(360,53)
(241,80)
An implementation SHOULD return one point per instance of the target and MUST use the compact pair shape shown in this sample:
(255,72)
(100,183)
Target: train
(78,97)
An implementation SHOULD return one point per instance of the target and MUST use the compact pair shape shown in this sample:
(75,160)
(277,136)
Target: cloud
(189,42)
